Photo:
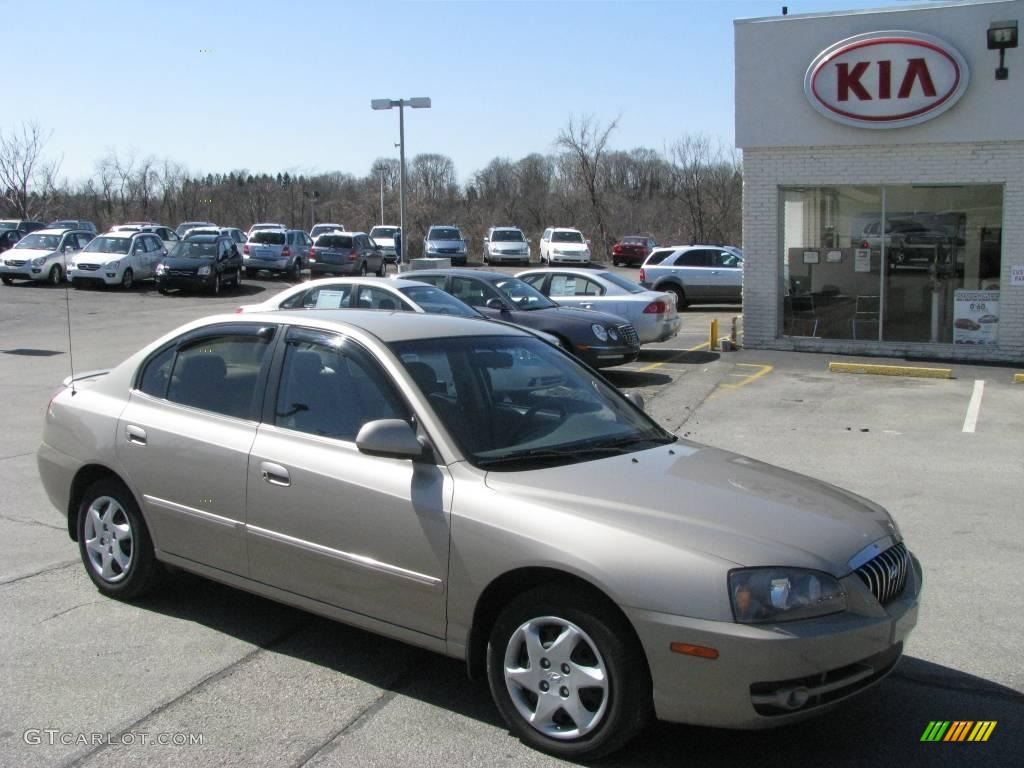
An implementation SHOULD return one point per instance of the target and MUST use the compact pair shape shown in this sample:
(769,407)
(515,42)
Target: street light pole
(382,196)
(418,102)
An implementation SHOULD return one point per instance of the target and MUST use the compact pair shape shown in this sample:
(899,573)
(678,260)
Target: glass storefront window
(914,263)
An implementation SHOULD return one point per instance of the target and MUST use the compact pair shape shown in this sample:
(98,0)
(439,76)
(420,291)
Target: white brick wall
(765,170)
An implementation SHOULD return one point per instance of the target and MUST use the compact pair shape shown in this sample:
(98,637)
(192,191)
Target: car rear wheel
(56,276)
(680,295)
(7,280)
(567,673)
(114,542)
(128,278)
(380,269)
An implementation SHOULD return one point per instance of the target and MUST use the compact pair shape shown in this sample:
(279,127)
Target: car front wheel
(114,542)
(128,279)
(56,276)
(567,674)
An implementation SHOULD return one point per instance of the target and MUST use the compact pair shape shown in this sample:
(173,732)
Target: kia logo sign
(886,79)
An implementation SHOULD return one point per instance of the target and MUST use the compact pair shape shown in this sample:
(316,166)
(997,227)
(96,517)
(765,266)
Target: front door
(364,533)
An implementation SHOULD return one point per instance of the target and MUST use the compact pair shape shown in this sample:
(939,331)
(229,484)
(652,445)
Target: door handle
(275,474)
(588,305)
(135,434)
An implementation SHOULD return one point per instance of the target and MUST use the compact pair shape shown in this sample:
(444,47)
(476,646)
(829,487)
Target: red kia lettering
(849,80)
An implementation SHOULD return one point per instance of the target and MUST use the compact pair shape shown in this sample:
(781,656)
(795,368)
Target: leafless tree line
(690,192)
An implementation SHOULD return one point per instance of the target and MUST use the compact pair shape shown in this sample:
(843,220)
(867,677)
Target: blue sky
(288,85)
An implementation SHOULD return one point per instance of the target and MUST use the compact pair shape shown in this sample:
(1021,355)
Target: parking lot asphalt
(264,684)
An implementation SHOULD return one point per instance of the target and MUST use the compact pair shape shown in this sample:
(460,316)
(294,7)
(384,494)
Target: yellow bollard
(713,340)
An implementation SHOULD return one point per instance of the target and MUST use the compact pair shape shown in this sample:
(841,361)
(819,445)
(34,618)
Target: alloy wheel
(109,539)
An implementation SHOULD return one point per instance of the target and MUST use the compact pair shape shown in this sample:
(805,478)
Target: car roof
(460,272)
(386,326)
(125,234)
(571,270)
(206,237)
(58,231)
(564,229)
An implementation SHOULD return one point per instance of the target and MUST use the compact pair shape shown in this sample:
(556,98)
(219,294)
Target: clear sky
(287,85)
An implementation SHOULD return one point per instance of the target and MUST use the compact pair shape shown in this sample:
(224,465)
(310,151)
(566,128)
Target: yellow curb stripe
(672,359)
(892,370)
(1018,378)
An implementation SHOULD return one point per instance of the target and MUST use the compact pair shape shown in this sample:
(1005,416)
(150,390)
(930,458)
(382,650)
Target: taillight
(656,308)
(353,255)
(865,244)
(617,248)
(245,249)
(312,254)
(642,277)
(286,252)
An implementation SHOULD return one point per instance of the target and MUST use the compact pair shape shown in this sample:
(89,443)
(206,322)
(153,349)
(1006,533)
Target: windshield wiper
(615,447)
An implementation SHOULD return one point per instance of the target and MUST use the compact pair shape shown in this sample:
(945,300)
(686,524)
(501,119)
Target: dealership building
(883,156)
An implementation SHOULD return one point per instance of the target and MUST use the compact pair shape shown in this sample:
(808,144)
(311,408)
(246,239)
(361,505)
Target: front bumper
(603,356)
(515,258)
(101,275)
(166,282)
(769,675)
(24,272)
(562,258)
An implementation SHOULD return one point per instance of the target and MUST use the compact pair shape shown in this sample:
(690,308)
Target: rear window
(634,240)
(334,241)
(267,237)
(658,256)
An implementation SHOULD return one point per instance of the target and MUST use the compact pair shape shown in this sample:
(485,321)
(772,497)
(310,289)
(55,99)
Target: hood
(385,242)
(445,243)
(27,253)
(711,501)
(587,316)
(570,246)
(97,257)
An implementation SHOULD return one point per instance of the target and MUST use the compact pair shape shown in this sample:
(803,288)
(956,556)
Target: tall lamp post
(417,102)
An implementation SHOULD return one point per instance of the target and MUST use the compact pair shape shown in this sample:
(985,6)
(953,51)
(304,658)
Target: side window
(562,285)
(435,280)
(725,259)
(473,292)
(585,287)
(657,257)
(157,374)
(331,388)
(325,297)
(369,297)
(84,239)
(697,258)
(536,281)
(219,374)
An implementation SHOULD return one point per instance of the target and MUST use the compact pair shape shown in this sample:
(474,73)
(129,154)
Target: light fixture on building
(1002,35)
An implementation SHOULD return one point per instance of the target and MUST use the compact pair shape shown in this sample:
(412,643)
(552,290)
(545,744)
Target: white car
(652,313)
(365,293)
(562,245)
(117,258)
(506,244)
(384,236)
(42,255)
(265,225)
(319,229)
(166,234)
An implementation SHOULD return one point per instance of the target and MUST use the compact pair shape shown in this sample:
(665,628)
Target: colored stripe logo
(958,730)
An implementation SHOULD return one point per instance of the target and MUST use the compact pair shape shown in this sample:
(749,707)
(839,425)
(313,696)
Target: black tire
(128,279)
(7,280)
(250,273)
(607,641)
(107,505)
(238,279)
(380,270)
(56,275)
(215,288)
(295,270)
(362,269)
(680,296)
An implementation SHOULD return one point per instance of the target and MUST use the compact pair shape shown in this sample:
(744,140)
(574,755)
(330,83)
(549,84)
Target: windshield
(385,232)
(507,236)
(516,403)
(195,249)
(623,282)
(566,237)
(444,233)
(267,237)
(40,242)
(434,301)
(523,295)
(108,245)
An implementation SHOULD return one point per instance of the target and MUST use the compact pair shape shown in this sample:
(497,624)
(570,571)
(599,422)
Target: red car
(632,250)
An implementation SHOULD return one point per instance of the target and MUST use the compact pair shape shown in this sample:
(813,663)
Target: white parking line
(971,420)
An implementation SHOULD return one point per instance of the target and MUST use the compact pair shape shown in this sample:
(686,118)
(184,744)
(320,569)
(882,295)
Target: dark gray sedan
(598,338)
(470,489)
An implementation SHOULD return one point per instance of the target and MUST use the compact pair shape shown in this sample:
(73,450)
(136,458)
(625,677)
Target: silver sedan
(467,488)
(652,313)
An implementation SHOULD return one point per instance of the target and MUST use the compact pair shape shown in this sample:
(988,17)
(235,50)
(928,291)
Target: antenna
(67,312)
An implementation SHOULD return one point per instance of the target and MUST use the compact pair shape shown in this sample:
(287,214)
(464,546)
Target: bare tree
(28,181)
(585,141)
(709,185)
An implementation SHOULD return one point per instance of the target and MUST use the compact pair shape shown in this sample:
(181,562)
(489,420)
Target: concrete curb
(892,370)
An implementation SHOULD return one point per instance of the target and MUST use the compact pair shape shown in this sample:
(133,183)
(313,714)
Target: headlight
(113,264)
(38,261)
(160,269)
(762,595)
(613,334)
(599,331)
(204,271)
(586,252)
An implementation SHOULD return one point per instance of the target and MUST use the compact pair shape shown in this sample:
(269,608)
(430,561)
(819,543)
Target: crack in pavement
(72,608)
(16,456)
(33,522)
(115,735)
(358,720)
(40,572)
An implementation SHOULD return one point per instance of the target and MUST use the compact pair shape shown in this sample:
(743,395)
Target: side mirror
(493,303)
(636,399)
(390,438)
(487,239)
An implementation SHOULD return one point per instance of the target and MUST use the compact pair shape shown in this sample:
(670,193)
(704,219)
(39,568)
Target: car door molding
(351,558)
(201,514)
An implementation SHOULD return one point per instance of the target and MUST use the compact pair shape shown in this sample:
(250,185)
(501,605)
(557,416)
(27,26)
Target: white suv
(117,258)
(561,245)
(506,244)
(42,255)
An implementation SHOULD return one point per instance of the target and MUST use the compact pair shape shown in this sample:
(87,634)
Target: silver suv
(695,274)
(506,244)
(285,251)
(445,241)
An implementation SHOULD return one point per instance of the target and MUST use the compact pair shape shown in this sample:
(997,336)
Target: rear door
(692,268)
(726,275)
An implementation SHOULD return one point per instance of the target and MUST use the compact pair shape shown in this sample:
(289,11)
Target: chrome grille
(89,267)
(629,335)
(13,263)
(886,574)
